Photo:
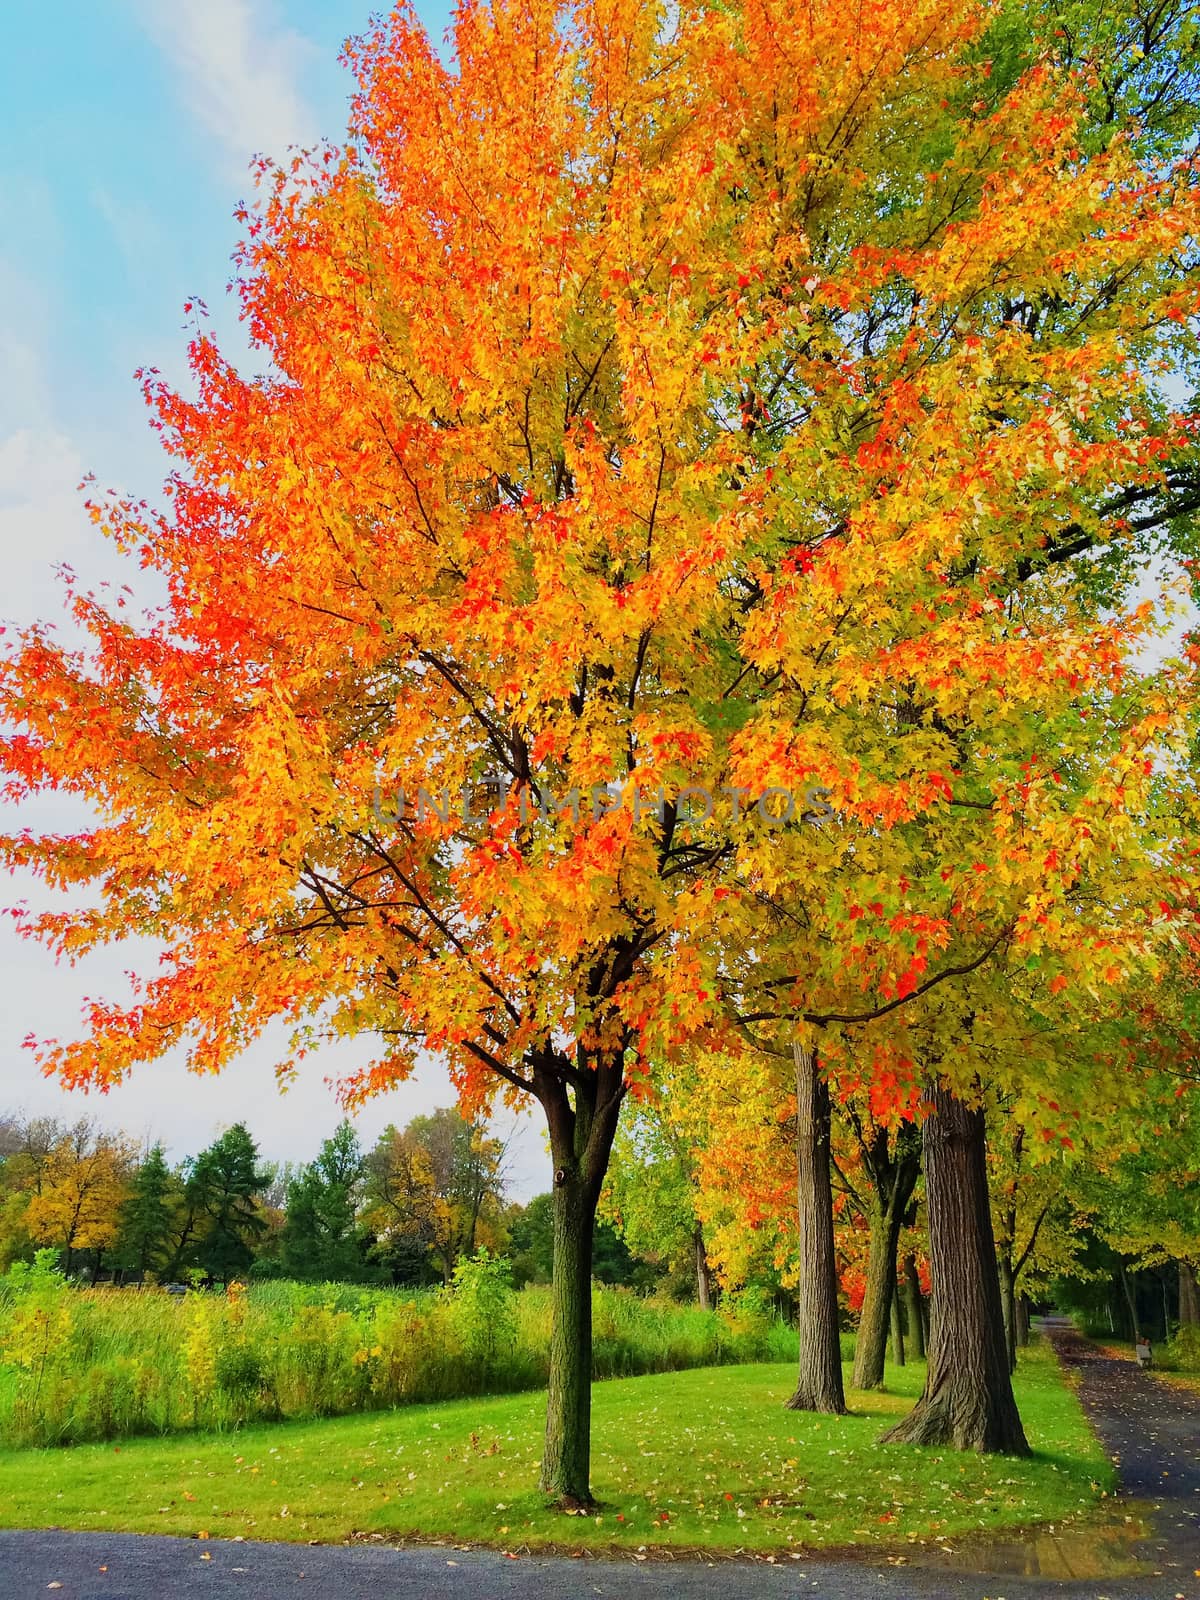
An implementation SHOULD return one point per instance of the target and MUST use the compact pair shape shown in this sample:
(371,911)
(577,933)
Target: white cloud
(42,521)
(240,70)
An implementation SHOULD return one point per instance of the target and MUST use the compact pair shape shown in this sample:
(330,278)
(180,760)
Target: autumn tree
(27,1146)
(438,1182)
(452,538)
(709,445)
(80,1191)
(14,1192)
(925,875)
(467,1166)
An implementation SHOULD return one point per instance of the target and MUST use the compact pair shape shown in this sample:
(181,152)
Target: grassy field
(704,1458)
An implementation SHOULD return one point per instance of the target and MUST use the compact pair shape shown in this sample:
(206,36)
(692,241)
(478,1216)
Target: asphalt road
(132,1567)
(1154,1432)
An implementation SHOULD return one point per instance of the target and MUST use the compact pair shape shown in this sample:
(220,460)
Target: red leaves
(906,984)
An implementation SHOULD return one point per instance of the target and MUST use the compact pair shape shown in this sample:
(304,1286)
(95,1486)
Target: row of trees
(405,1211)
(1124,1246)
(1113,1231)
(804,407)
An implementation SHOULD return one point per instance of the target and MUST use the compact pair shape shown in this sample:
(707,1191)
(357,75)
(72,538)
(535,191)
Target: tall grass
(97,1364)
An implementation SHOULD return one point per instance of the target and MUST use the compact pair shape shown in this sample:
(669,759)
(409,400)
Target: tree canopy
(676,579)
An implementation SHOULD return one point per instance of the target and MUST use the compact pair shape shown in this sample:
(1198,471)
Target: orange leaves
(573,476)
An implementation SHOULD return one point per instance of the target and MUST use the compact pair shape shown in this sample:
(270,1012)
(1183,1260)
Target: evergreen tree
(148,1217)
(222,1189)
(321,1239)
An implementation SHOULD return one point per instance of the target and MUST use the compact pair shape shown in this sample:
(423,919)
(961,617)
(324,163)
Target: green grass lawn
(704,1458)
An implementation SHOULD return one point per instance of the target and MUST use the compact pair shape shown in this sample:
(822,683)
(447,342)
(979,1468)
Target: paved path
(1153,1431)
(129,1567)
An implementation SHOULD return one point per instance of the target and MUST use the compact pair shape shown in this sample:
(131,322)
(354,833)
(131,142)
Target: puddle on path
(1100,1550)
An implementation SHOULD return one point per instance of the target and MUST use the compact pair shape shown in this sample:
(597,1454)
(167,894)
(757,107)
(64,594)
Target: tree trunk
(185,1236)
(1008,1307)
(870,1344)
(1189,1296)
(1166,1305)
(897,1329)
(912,1296)
(893,1165)
(567,1457)
(582,1106)
(704,1291)
(1023,1320)
(819,1380)
(1131,1302)
(968,1400)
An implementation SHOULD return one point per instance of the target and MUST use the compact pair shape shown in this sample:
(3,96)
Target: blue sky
(127,127)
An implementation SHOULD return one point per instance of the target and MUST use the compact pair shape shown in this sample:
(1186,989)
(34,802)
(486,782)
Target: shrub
(94,1364)
(483,1313)
(1183,1352)
(41,1276)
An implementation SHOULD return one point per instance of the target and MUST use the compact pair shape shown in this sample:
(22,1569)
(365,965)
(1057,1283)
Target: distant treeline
(403,1212)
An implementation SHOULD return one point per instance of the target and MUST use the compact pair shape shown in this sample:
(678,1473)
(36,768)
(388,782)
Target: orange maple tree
(641,412)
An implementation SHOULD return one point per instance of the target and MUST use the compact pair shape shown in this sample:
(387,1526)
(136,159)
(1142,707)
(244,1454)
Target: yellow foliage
(81,1188)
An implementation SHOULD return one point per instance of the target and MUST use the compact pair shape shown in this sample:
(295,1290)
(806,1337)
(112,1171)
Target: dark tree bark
(1164,1283)
(916,1311)
(1023,1320)
(1131,1303)
(704,1286)
(897,1330)
(1189,1296)
(892,1164)
(819,1380)
(582,1108)
(968,1400)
